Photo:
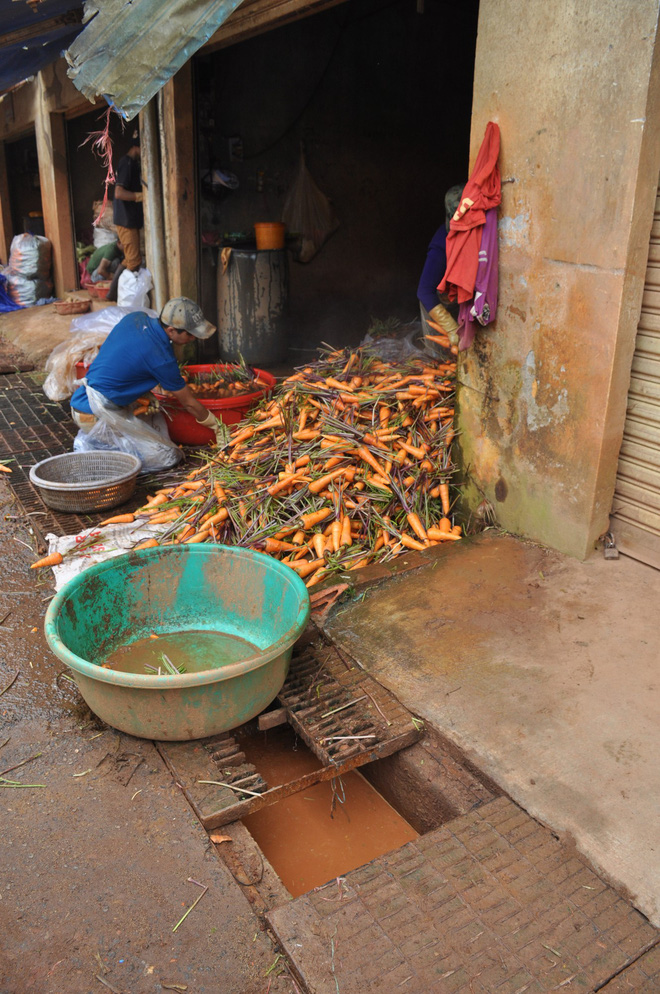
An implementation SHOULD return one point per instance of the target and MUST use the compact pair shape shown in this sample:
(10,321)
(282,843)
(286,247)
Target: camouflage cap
(184,314)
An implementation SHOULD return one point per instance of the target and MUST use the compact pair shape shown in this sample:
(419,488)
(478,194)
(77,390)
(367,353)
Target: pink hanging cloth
(482,192)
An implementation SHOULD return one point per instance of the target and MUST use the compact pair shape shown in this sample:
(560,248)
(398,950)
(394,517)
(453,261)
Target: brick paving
(643,977)
(491,903)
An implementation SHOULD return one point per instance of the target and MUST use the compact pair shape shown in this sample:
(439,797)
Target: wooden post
(153,203)
(177,152)
(6,225)
(50,132)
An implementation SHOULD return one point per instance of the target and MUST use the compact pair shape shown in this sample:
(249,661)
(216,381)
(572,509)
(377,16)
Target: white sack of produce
(61,380)
(26,292)
(133,289)
(28,269)
(30,256)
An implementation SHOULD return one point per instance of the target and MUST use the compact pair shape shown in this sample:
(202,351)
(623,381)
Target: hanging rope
(102,147)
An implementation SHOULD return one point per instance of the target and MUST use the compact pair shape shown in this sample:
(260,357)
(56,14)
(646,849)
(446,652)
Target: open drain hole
(326,830)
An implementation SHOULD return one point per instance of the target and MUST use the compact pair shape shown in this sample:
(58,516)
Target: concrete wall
(544,391)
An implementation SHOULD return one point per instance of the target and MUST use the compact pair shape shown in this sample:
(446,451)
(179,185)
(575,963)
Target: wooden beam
(254,17)
(177,148)
(6,225)
(41,28)
(50,132)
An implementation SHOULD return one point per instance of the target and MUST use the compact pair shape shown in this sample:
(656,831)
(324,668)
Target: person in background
(138,354)
(432,304)
(103,262)
(127,204)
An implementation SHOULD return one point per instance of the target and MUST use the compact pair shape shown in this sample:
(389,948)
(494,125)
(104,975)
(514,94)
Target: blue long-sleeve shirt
(434,270)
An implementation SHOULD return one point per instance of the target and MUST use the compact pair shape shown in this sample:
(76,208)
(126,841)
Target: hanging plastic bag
(133,289)
(118,430)
(61,380)
(308,213)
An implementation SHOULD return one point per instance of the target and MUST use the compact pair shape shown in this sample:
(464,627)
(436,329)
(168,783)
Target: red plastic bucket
(182,426)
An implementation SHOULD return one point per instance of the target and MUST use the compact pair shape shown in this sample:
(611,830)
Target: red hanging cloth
(482,191)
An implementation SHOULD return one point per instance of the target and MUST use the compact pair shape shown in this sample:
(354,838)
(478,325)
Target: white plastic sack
(133,289)
(118,430)
(102,543)
(25,291)
(30,257)
(105,319)
(61,380)
(103,236)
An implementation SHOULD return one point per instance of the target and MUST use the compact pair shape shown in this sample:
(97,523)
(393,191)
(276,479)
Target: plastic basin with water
(163,590)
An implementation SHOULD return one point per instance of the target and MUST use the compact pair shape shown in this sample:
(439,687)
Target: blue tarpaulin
(31,37)
(128,51)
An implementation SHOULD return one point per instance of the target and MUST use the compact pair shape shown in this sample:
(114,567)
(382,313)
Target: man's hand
(138,198)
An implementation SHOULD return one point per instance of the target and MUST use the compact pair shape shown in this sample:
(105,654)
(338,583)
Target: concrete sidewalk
(543,671)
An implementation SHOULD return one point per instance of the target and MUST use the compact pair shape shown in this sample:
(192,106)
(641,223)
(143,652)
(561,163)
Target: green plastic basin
(173,589)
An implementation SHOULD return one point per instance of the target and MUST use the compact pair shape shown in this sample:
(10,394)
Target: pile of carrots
(348,463)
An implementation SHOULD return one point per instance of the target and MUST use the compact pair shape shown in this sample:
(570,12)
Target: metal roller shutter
(636,505)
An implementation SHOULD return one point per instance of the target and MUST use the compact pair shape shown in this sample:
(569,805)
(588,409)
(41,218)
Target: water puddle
(317,835)
(195,651)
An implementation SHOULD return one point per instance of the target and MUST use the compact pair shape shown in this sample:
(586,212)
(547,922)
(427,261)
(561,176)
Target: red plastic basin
(81,370)
(182,426)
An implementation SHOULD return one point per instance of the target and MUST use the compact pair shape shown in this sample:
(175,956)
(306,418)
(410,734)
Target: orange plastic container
(270,235)
(182,426)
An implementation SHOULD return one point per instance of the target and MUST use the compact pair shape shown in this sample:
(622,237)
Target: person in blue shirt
(138,354)
(431,304)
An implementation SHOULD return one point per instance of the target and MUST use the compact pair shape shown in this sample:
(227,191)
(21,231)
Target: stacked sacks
(28,270)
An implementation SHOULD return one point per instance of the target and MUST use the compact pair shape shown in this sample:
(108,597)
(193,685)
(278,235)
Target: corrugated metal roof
(34,35)
(128,51)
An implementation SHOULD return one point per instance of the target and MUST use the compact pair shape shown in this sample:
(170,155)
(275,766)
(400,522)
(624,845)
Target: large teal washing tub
(172,589)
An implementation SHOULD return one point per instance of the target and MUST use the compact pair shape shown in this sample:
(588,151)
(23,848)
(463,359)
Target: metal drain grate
(367,723)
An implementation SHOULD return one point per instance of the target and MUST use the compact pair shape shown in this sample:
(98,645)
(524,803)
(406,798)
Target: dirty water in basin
(188,652)
(317,835)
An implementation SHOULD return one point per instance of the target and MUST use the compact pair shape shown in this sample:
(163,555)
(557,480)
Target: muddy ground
(97,862)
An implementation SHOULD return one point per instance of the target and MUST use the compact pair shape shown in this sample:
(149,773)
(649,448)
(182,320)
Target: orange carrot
(148,543)
(119,519)
(417,526)
(164,517)
(412,449)
(54,559)
(444,497)
(457,530)
(439,536)
(346,537)
(318,542)
(444,525)
(336,535)
(367,457)
(305,567)
(318,485)
(411,543)
(314,517)
(273,545)
(4,469)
